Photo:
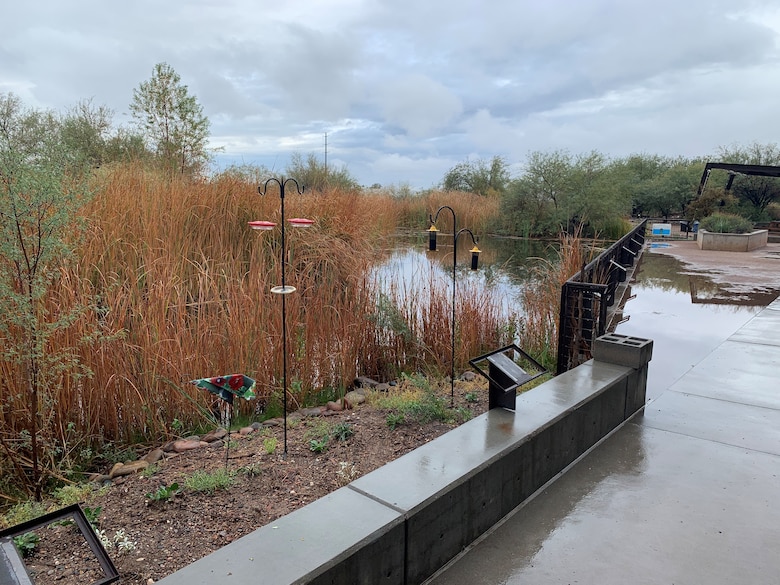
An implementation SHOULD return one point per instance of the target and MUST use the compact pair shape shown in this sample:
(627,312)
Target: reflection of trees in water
(667,273)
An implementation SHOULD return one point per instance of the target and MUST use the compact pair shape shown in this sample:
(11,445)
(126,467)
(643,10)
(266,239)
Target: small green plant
(394,419)
(251,470)
(471,397)
(269,444)
(149,471)
(463,413)
(343,431)
(318,445)
(26,543)
(92,514)
(201,481)
(23,512)
(72,494)
(163,493)
(177,426)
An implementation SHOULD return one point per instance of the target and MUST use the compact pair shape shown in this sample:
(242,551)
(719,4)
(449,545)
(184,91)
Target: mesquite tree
(41,188)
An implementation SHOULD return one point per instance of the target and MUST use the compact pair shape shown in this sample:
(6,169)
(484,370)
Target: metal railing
(588,295)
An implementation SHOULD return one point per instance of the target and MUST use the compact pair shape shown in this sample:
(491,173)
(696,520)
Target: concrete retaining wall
(402,522)
(732,242)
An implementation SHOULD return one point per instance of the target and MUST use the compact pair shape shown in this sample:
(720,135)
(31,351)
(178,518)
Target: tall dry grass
(475,212)
(179,288)
(541,297)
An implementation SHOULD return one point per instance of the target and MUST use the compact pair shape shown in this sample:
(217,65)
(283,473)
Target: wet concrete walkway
(685,492)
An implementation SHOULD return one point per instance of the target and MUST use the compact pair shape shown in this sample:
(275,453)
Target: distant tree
(313,173)
(478,176)
(171,121)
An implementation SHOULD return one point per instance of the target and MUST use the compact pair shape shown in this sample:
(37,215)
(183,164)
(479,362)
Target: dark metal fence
(588,295)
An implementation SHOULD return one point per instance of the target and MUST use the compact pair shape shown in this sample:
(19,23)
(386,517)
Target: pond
(504,265)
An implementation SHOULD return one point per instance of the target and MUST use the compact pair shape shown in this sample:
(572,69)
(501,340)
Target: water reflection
(686,315)
(504,264)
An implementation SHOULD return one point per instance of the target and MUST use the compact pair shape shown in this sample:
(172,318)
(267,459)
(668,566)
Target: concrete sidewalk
(685,492)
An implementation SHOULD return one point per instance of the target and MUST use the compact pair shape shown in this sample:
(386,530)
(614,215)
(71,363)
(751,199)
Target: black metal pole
(283,291)
(284,322)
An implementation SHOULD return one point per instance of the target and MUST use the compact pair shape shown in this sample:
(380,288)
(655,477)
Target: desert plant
(343,431)
(723,223)
(26,543)
(394,419)
(318,445)
(23,512)
(149,471)
(163,493)
(270,444)
(471,397)
(72,494)
(251,470)
(201,481)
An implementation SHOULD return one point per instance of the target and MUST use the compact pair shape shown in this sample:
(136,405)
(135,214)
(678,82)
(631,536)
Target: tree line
(559,191)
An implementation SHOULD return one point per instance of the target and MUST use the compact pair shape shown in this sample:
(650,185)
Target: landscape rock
(120,469)
(468,376)
(244,431)
(153,456)
(365,382)
(352,399)
(183,445)
(214,435)
(316,411)
(335,406)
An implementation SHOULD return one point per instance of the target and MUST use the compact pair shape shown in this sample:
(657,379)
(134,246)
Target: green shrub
(726,223)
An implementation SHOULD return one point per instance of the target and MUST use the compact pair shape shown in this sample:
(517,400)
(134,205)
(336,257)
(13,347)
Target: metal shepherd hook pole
(283,290)
(456,233)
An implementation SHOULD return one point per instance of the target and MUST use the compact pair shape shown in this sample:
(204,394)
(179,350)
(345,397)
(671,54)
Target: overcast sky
(406,89)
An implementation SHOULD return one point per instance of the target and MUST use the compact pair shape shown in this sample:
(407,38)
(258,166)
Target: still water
(504,265)
(686,316)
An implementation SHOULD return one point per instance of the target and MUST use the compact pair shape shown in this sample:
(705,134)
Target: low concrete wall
(732,242)
(402,522)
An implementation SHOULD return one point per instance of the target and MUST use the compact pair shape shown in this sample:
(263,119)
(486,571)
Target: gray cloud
(406,89)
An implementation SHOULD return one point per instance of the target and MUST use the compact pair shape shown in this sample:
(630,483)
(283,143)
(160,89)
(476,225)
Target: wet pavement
(685,491)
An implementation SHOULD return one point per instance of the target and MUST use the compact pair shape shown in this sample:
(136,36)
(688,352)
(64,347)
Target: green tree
(478,176)
(41,189)
(754,192)
(171,121)
(313,173)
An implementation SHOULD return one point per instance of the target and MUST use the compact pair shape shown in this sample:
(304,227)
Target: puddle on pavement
(686,314)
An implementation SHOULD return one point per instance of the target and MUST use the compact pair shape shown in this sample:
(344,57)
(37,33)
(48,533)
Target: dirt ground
(167,534)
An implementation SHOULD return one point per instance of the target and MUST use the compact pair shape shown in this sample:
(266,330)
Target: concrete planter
(732,242)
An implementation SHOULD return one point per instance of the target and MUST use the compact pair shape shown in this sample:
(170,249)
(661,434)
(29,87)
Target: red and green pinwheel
(227,387)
